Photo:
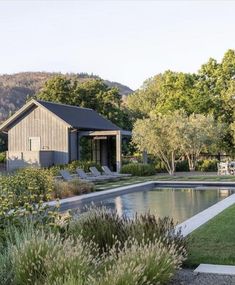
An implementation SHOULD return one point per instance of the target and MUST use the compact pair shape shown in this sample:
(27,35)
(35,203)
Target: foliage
(199,132)
(40,258)
(138,169)
(22,196)
(6,272)
(160,135)
(142,263)
(207,165)
(97,248)
(29,183)
(2,157)
(3,142)
(182,165)
(209,92)
(83,164)
(102,226)
(172,135)
(64,189)
(105,227)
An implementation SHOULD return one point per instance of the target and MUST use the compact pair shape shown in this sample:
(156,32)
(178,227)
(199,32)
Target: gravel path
(187,277)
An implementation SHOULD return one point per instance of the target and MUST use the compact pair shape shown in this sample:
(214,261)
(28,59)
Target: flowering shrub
(29,184)
(207,165)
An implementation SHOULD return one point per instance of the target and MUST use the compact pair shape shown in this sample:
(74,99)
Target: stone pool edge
(187,226)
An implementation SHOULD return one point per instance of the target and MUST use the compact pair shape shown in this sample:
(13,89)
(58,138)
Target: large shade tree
(210,91)
(162,93)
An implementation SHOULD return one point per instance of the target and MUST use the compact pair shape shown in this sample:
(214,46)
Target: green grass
(135,180)
(214,242)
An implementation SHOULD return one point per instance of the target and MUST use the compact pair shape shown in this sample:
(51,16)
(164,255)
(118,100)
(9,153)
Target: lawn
(214,242)
(186,177)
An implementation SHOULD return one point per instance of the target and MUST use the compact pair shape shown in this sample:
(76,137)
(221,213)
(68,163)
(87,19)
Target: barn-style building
(44,133)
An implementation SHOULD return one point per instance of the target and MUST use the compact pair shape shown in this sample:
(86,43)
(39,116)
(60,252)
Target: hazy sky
(124,41)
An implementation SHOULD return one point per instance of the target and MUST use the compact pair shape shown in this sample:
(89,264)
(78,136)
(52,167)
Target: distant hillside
(16,88)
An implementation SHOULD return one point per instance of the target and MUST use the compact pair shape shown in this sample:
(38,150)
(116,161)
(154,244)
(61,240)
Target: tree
(143,101)
(90,93)
(165,92)
(160,135)
(198,133)
(210,91)
(173,135)
(58,89)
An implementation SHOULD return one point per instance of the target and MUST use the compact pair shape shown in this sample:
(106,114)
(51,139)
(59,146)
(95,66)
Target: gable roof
(72,116)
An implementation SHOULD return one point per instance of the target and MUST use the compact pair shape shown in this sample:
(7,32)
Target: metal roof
(75,117)
(80,118)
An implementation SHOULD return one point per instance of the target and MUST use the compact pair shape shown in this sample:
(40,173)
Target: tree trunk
(191,162)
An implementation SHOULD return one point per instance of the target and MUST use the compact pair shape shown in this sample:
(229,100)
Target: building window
(34,144)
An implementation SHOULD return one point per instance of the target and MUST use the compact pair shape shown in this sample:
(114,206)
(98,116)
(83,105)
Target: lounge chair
(66,175)
(83,176)
(97,173)
(107,171)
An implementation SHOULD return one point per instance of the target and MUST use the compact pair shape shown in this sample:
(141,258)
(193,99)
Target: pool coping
(185,227)
(215,269)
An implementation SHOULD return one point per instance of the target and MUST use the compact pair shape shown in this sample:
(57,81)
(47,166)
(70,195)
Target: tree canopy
(209,91)
(173,135)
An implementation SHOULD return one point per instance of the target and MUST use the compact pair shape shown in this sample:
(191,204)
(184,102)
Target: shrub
(100,225)
(105,227)
(159,167)
(207,165)
(182,165)
(149,228)
(40,258)
(138,169)
(85,165)
(6,272)
(36,184)
(65,189)
(2,157)
(142,263)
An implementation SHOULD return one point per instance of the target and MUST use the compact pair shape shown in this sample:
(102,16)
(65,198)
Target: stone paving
(188,277)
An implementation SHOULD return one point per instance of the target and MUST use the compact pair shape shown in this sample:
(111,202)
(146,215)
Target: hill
(16,88)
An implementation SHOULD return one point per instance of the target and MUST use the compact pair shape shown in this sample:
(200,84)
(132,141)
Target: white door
(34,144)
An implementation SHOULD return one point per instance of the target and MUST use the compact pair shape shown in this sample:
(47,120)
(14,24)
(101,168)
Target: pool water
(178,203)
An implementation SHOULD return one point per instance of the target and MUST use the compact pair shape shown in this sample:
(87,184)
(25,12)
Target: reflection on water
(180,204)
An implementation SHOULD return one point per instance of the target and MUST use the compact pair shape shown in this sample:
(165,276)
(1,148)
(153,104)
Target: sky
(123,41)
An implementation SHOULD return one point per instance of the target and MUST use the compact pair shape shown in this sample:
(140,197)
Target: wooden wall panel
(40,123)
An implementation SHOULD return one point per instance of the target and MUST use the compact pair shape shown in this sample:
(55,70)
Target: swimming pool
(178,203)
